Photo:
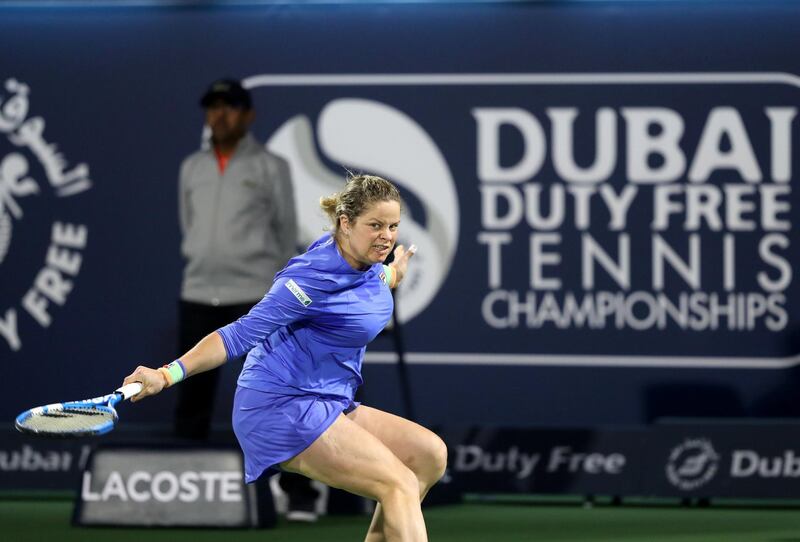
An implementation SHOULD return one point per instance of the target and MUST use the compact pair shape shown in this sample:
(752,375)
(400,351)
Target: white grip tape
(129,390)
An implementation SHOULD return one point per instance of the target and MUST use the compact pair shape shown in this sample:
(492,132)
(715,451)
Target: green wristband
(176,370)
(388,272)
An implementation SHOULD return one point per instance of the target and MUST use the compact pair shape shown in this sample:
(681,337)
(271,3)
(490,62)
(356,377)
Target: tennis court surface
(34,520)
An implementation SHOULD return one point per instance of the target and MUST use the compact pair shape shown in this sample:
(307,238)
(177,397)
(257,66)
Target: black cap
(229,91)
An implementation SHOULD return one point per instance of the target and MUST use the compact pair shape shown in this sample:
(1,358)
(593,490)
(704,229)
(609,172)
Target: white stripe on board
(683,362)
(356,79)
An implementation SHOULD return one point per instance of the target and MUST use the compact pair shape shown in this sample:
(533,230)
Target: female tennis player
(305,340)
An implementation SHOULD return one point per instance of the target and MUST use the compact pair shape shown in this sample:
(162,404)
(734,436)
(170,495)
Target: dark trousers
(195,401)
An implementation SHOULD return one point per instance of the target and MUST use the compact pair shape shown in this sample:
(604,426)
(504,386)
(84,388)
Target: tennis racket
(76,418)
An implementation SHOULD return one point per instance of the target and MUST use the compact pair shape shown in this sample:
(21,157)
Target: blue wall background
(118,90)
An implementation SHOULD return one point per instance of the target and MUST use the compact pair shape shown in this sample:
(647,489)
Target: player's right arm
(204,356)
(282,306)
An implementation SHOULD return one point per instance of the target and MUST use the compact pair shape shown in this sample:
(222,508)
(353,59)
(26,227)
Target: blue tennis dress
(305,342)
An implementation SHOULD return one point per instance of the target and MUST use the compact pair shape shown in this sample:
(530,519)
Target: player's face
(370,238)
(228,124)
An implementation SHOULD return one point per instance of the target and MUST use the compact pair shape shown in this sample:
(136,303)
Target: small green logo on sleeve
(298,292)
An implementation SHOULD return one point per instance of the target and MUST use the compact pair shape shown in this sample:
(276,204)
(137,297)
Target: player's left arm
(396,270)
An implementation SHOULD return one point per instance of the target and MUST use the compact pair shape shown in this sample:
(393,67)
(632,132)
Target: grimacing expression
(370,238)
(228,124)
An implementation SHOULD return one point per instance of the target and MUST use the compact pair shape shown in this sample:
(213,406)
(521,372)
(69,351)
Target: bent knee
(438,454)
(430,462)
(400,480)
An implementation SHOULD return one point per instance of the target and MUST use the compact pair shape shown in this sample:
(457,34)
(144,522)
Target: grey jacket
(239,228)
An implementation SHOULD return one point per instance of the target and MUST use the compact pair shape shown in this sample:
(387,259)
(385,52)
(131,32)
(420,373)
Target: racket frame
(104,403)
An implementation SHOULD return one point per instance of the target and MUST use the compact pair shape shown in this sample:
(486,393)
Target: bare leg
(418,448)
(349,457)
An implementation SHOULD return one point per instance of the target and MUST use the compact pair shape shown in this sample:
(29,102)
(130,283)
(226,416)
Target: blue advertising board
(601,194)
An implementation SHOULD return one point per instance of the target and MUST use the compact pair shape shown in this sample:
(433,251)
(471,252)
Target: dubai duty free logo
(686,189)
(31,167)
(692,464)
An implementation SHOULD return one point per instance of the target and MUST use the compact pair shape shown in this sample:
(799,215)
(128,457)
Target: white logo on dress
(298,292)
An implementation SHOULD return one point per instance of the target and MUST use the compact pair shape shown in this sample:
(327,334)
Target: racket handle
(129,390)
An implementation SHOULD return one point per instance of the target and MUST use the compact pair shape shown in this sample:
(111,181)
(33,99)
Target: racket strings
(71,414)
(69,420)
